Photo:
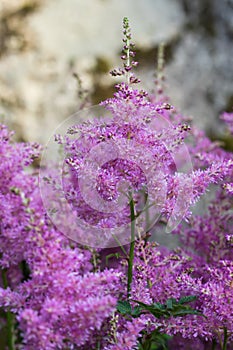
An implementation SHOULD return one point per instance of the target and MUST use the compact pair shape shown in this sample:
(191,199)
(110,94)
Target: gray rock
(46,41)
(69,36)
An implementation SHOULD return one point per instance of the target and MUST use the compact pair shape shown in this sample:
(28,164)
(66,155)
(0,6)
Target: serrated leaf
(158,306)
(136,312)
(148,307)
(124,307)
(155,309)
(171,308)
(186,312)
(187,299)
(169,303)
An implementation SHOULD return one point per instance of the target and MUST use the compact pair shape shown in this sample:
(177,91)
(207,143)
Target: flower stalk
(214,344)
(132,247)
(9,318)
(225,339)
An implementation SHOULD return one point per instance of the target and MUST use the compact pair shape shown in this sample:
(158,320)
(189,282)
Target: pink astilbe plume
(62,301)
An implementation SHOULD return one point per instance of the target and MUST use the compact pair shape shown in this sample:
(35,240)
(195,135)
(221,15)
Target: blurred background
(44,43)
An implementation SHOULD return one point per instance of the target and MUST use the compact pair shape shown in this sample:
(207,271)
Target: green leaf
(124,307)
(154,309)
(158,306)
(187,299)
(113,255)
(136,312)
(172,307)
(169,303)
(186,312)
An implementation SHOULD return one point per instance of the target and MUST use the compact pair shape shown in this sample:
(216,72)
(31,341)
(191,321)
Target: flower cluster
(141,169)
(49,284)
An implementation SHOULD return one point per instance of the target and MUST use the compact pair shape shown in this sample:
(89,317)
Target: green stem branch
(214,343)
(132,246)
(225,339)
(9,319)
(120,245)
(128,62)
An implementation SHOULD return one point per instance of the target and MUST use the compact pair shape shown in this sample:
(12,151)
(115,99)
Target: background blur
(44,42)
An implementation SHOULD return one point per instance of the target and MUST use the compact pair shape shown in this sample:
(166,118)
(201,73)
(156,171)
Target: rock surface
(44,42)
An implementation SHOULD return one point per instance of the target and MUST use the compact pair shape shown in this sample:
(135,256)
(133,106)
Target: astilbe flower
(207,238)
(158,273)
(142,144)
(15,192)
(62,302)
(207,241)
(141,153)
(136,121)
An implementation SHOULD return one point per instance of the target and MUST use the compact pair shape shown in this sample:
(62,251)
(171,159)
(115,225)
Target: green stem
(9,318)
(219,339)
(98,345)
(214,343)
(120,245)
(128,62)
(147,217)
(131,251)
(225,339)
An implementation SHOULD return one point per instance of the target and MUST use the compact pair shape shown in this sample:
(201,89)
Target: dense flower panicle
(136,124)
(207,239)
(215,293)
(73,319)
(127,55)
(16,189)
(126,338)
(61,289)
